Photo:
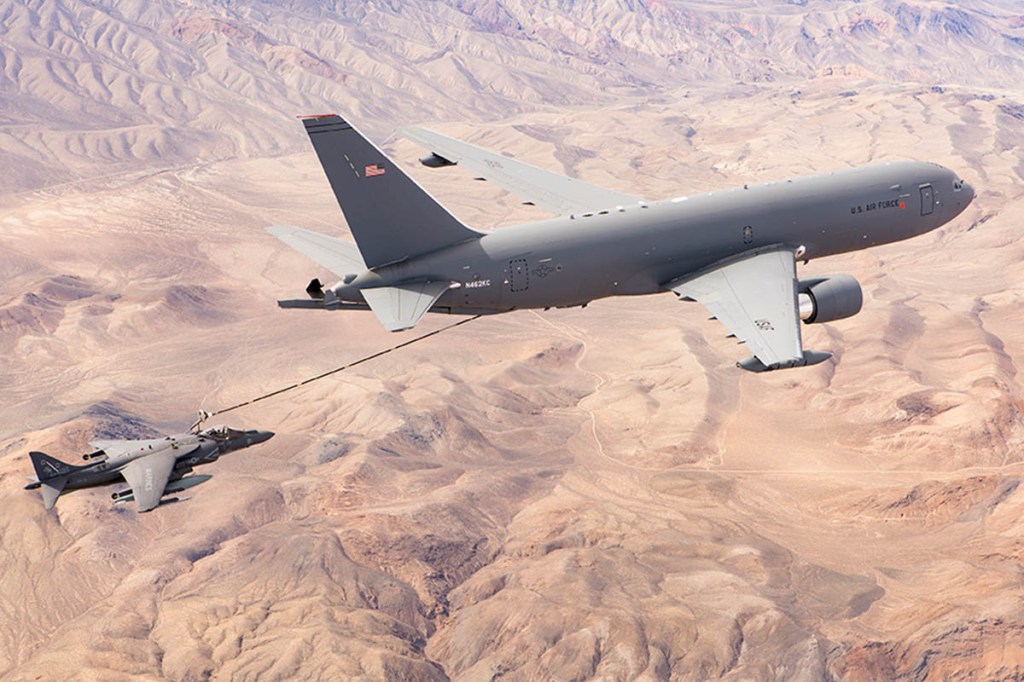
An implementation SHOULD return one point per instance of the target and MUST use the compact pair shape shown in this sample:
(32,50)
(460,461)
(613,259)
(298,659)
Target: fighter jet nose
(259,436)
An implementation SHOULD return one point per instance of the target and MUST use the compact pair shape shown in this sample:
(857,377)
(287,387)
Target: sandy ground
(569,494)
(541,493)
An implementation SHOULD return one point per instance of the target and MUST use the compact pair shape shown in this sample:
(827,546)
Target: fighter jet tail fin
(391,217)
(49,467)
(52,475)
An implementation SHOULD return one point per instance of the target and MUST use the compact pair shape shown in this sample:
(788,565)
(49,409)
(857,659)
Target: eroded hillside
(540,495)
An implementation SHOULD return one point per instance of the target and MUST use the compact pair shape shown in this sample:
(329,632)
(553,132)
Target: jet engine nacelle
(825,299)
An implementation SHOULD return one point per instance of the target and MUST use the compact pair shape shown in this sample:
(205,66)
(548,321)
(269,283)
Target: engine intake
(825,299)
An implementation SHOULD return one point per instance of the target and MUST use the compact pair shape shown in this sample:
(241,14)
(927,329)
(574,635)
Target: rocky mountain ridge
(540,495)
(93,90)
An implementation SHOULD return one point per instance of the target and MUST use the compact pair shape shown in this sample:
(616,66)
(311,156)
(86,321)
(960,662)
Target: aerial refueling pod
(824,299)
(434,160)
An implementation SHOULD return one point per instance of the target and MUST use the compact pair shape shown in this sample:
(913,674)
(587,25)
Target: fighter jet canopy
(222,433)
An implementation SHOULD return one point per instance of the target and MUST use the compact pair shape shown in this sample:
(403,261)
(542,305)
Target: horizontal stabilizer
(337,255)
(401,307)
(317,304)
(52,488)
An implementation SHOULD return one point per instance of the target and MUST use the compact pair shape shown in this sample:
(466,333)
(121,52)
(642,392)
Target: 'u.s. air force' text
(887,203)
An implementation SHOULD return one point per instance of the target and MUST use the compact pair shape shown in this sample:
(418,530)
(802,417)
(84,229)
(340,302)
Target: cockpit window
(222,433)
(958,185)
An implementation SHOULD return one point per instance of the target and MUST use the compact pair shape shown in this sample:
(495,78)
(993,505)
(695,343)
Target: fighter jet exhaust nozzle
(826,299)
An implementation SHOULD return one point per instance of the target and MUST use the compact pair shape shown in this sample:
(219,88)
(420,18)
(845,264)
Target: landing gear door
(927,200)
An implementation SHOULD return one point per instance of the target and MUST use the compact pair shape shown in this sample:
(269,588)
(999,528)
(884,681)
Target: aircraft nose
(963,198)
(259,436)
(968,194)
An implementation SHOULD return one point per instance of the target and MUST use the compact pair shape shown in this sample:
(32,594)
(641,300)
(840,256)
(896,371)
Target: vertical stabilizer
(52,474)
(391,217)
(49,467)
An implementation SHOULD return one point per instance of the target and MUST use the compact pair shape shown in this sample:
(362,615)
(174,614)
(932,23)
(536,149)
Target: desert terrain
(561,495)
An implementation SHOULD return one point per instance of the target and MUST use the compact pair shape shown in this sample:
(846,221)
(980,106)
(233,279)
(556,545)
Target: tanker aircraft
(153,468)
(734,251)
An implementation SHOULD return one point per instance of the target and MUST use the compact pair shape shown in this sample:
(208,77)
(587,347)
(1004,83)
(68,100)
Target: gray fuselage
(194,449)
(190,449)
(636,249)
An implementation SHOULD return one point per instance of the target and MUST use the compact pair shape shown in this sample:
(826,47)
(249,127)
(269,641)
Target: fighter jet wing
(554,192)
(117,448)
(148,476)
(338,256)
(755,296)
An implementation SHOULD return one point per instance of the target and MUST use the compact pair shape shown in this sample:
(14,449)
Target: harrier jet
(153,468)
(734,251)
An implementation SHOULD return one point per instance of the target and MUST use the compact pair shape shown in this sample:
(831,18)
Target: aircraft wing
(755,296)
(338,256)
(118,448)
(554,192)
(148,477)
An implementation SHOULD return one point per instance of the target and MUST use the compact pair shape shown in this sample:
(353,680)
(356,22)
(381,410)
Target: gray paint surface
(616,249)
(153,468)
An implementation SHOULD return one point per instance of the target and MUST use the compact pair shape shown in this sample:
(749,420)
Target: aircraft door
(518,275)
(927,200)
